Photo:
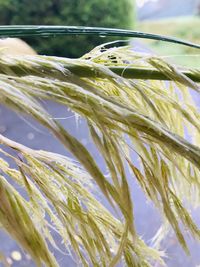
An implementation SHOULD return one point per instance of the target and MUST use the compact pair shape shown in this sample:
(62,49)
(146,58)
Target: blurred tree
(104,13)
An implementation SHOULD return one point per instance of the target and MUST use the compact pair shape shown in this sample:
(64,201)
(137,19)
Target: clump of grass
(149,117)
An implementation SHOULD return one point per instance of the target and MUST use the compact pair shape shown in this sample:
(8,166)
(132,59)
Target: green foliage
(105,13)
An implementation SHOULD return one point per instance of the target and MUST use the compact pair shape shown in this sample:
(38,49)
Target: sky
(141,3)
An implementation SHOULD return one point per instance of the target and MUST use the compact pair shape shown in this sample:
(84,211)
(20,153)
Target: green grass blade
(47,31)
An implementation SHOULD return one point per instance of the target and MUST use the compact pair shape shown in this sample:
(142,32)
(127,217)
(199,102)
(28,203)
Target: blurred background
(178,18)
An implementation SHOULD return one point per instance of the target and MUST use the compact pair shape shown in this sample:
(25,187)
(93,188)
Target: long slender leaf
(44,31)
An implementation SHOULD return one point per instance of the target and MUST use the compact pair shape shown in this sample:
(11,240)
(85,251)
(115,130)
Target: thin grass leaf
(46,31)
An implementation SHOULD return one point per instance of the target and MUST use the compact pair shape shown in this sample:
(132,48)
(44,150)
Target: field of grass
(187,28)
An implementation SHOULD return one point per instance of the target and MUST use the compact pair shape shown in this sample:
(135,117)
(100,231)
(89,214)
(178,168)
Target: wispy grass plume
(149,117)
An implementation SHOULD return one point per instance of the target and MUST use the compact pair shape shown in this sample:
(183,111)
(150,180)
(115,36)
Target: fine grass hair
(149,118)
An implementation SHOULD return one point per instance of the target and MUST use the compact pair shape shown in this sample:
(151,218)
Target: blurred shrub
(99,13)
